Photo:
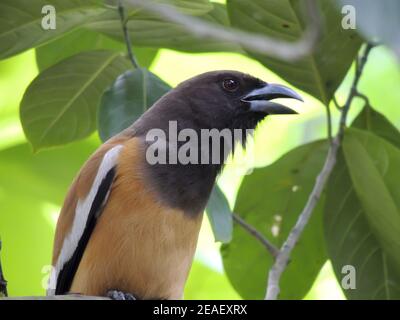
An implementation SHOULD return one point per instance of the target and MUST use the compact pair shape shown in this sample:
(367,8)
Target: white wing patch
(81,215)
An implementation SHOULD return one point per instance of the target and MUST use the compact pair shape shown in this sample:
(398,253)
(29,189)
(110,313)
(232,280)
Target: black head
(231,99)
(214,100)
(217,99)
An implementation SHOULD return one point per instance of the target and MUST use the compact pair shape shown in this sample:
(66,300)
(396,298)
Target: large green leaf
(60,105)
(72,43)
(20,21)
(149,30)
(373,121)
(374,167)
(205,283)
(377,20)
(32,187)
(350,241)
(220,216)
(319,73)
(271,200)
(349,237)
(127,99)
(40,173)
(188,7)
(85,40)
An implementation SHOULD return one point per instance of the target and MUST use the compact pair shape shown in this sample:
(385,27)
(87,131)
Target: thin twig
(131,56)
(356,63)
(329,123)
(353,90)
(336,103)
(363,97)
(256,234)
(294,235)
(284,50)
(3,282)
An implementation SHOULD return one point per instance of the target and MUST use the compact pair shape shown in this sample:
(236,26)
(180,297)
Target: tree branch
(131,56)
(256,234)
(283,50)
(329,122)
(294,235)
(3,282)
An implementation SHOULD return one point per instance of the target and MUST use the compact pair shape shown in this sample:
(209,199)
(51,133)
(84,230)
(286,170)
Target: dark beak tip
(283,110)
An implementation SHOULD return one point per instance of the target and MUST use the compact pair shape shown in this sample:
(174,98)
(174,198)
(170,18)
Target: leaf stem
(363,97)
(274,251)
(336,103)
(284,254)
(329,122)
(131,56)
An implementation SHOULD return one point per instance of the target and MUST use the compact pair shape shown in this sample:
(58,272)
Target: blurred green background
(32,186)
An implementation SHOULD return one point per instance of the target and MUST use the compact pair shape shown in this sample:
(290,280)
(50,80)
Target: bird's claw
(119,295)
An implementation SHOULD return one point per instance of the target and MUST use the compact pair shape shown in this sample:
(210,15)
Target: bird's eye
(230,85)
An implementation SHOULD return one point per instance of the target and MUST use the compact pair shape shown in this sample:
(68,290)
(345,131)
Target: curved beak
(259,99)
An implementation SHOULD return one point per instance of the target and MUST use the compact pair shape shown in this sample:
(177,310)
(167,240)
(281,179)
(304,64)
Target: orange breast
(139,245)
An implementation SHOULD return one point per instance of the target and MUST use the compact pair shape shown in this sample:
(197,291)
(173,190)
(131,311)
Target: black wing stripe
(67,273)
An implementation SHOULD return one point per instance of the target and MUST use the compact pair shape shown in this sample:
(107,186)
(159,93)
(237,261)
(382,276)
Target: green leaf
(32,187)
(72,43)
(350,241)
(373,121)
(60,105)
(127,99)
(40,173)
(85,40)
(188,7)
(205,283)
(319,73)
(271,199)
(374,166)
(149,30)
(220,216)
(377,20)
(145,56)
(349,237)
(21,21)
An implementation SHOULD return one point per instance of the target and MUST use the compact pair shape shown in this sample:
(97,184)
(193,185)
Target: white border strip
(81,215)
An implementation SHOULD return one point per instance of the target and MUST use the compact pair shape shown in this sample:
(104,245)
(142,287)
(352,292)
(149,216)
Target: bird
(128,229)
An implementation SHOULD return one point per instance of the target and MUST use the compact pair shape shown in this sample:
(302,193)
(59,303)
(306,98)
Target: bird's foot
(119,295)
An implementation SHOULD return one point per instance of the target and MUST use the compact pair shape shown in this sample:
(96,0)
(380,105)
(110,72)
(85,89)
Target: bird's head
(221,100)
(217,99)
(231,99)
